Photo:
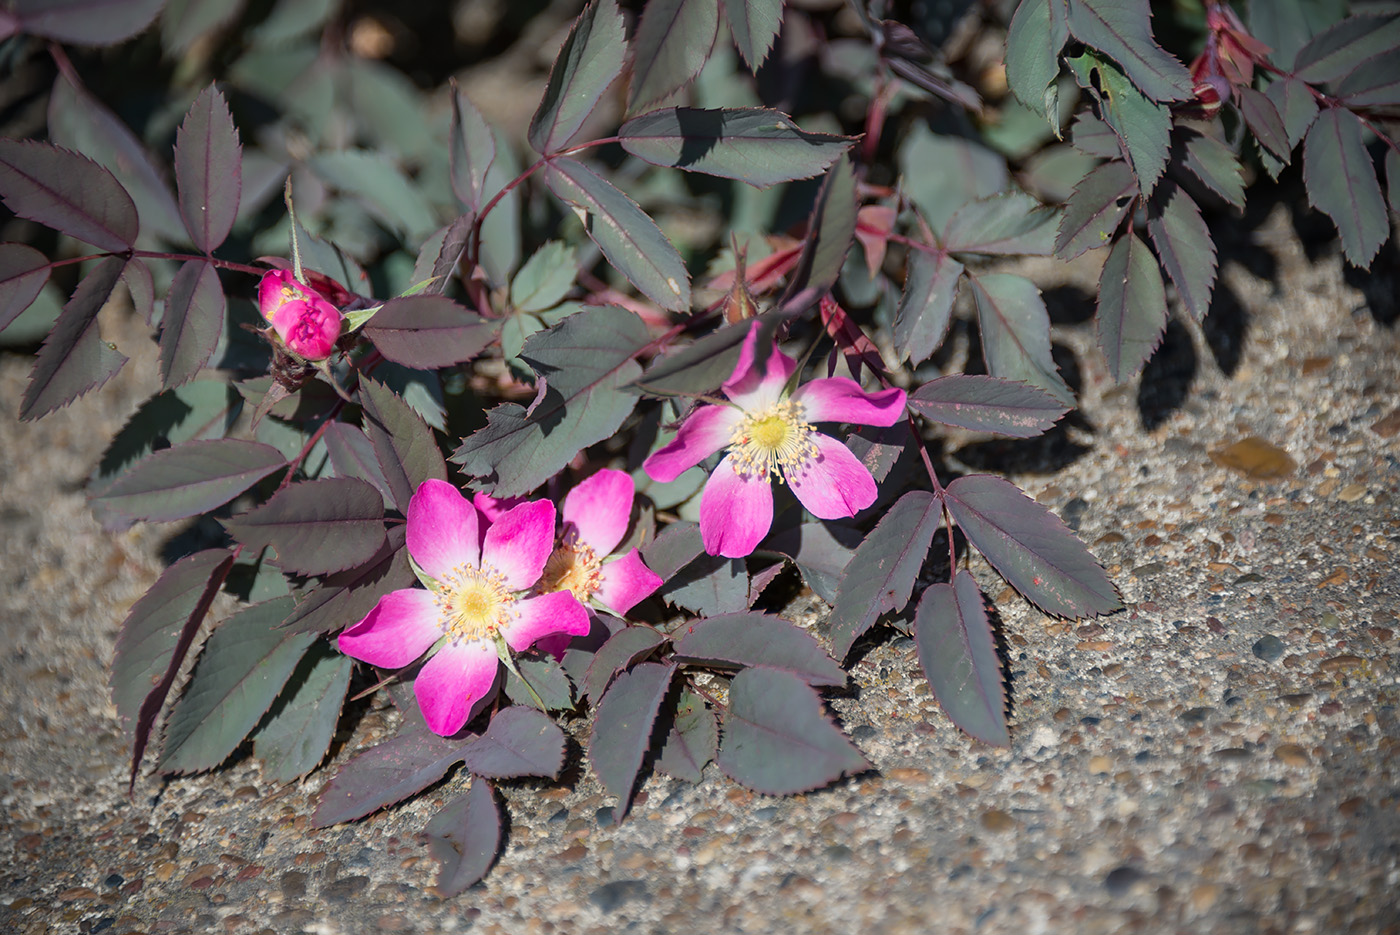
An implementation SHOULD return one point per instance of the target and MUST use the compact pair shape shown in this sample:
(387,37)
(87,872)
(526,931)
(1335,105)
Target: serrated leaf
(208,170)
(23,272)
(1122,30)
(1333,53)
(1012,223)
(749,639)
(520,741)
(926,305)
(186,21)
(622,728)
(830,230)
(698,367)
(821,552)
(74,358)
(545,278)
(141,289)
(987,404)
(1264,122)
(156,635)
(189,479)
(711,584)
(343,599)
(243,668)
(86,22)
(1031,547)
(621,650)
(752,144)
(1392,178)
(942,173)
(463,838)
(440,256)
(545,678)
(1187,253)
(585,360)
(1037,33)
(406,448)
(203,409)
(1341,182)
(586,66)
(1212,162)
(290,19)
(754,24)
(879,447)
(1286,25)
(387,773)
(1296,105)
(777,738)
(1132,307)
(674,548)
(293,738)
(958,654)
(428,331)
(630,240)
(1373,83)
(692,740)
(880,575)
(1142,125)
(672,42)
(471,151)
(387,109)
(1092,136)
(316,527)
(380,185)
(68,192)
(1016,332)
(192,323)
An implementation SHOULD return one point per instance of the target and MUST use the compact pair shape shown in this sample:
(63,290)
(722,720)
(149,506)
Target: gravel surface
(1220,757)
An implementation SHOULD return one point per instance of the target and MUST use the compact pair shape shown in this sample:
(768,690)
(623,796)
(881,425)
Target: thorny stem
(157,255)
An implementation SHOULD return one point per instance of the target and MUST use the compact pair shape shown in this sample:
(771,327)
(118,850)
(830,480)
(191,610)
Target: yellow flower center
(574,567)
(474,603)
(776,440)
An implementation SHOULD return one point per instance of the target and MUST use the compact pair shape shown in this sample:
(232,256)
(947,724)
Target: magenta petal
(491,507)
(834,484)
(735,511)
(518,543)
(397,631)
(600,508)
(555,612)
(442,529)
(455,681)
(705,431)
(625,582)
(840,399)
(751,390)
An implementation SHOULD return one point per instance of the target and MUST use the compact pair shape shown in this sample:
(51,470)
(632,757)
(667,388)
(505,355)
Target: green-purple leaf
(753,144)
(68,192)
(621,650)
(344,598)
(1132,308)
(208,170)
(880,575)
(471,152)
(630,239)
(959,657)
(1016,332)
(243,668)
(987,404)
(821,551)
(406,448)
(1031,547)
(1341,181)
(676,546)
(192,323)
(85,22)
(74,358)
(1373,83)
(1392,178)
(23,272)
(1187,252)
(1141,124)
(672,42)
(777,738)
(1037,33)
(749,639)
(464,838)
(1095,209)
(1296,106)
(698,367)
(1264,122)
(1093,137)
(589,61)
(387,773)
(428,331)
(622,728)
(316,527)
(1122,30)
(754,25)
(547,680)
(155,637)
(830,230)
(520,741)
(189,479)
(1333,53)
(293,738)
(691,741)
(352,455)
(926,307)
(1212,162)
(711,584)
(141,289)
(1012,223)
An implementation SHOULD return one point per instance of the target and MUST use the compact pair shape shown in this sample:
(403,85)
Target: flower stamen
(776,440)
(474,603)
(574,567)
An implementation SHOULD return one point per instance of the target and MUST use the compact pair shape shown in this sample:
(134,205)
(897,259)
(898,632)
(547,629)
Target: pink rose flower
(480,593)
(307,324)
(769,432)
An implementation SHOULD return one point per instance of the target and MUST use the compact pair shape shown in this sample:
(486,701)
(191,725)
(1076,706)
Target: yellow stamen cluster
(474,603)
(574,567)
(776,440)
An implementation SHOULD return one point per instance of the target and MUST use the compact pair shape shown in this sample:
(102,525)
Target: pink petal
(519,542)
(491,507)
(456,680)
(397,631)
(834,484)
(705,431)
(625,582)
(275,289)
(748,389)
(442,529)
(735,511)
(840,399)
(556,612)
(600,508)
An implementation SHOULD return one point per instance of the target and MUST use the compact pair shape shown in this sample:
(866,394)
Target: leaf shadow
(1380,285)
(1226,328)
(1166,378)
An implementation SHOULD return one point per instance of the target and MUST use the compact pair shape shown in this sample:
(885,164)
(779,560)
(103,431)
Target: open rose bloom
(481,592)
(770,433)
(307,324)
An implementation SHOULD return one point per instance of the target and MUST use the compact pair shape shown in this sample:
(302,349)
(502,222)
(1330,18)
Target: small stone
(1099,765)
(1290,754)
(1195,715)
(1073,512)
(994,819)
(1256,459)
(1388,425)
(293,884)
(910,774)
(611,895)
(76,894)
(1351,493)
(1340,663)
(1232,753)
(1204,895)
(1120,880)
(1268,647)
